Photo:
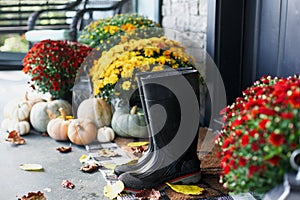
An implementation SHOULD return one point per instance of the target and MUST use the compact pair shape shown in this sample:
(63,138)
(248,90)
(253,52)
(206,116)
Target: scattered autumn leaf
(137,144)
(31,167)
(84,158)
(44,134)
(139,151)
(113,190)
(109,166)
(107,153)
(186,189)
(90,168)
(67,184)
(148,195)
(14,137)
(64,149)
(33,196)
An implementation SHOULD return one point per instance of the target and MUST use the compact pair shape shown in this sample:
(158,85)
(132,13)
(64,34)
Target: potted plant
(52,66)
(97,32)
(114,73)
(261,129)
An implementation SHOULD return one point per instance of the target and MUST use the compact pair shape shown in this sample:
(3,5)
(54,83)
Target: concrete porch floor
(15,183)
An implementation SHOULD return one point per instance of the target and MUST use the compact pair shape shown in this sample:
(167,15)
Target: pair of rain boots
(170,100)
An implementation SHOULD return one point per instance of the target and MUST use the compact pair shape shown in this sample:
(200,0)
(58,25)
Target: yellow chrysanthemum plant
(98,32)
(114,73)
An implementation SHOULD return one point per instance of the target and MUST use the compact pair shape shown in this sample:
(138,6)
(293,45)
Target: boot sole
(184,180)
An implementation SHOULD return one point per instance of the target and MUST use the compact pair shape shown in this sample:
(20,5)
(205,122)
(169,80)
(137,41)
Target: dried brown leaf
(107,153)
(33,196)
(148,195)
(15,138)
(64,149)
(67,184)
(90,168)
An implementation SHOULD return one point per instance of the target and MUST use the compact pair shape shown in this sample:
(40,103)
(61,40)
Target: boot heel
(187,179)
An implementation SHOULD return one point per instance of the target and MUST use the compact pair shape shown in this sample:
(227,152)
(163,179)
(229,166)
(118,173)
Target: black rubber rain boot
(172,104)
(133,166)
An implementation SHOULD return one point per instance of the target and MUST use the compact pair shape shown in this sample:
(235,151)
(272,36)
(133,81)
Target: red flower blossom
(226,169)
(274,160)
(242,161)
(254,147)
(245,140)
(262,124)
(276,139)
(294,99)
(252,169)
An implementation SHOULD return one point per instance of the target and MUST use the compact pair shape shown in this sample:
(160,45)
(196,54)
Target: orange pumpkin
(57,128)
(82,131)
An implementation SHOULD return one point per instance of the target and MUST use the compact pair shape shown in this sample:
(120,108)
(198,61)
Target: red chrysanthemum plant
(52,66)
(261,129)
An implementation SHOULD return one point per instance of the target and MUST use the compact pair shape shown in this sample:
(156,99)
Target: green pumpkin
(129,123)
(39,115)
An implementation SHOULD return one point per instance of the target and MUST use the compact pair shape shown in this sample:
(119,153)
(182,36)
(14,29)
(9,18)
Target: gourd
(57,128)
(23,127)
(20,109)
(129,123)
(105,134)
(39,117)
(97,110)
(82,131)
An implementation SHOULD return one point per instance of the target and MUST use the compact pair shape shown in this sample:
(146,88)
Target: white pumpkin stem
(63,113)
(133,110)
(26,96)
(50,114)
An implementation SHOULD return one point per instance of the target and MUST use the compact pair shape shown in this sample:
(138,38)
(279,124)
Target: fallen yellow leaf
(186,189)
(84,158)
(137,144)
(112,191)
(31,167)
(109,166)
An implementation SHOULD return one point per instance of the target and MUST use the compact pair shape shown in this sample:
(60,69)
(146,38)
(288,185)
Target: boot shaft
(171,101)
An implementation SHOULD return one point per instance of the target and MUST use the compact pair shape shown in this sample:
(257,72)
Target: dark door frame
(225,34)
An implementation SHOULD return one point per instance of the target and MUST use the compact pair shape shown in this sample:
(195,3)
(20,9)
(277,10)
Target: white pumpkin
(97,110)
(82,131)
(105,134)
(17,110)
(39,117)
(57,128)
(23,127)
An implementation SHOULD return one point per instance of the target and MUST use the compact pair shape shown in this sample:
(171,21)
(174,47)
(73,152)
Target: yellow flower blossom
(126,74)
(157,68)
(111,29)
(128,27)
(113,78)
(148,52)
(161,60)
(126,85)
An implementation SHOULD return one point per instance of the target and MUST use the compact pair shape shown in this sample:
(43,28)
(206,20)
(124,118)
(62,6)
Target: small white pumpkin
(23,127)
(17,110)
(82,131)
(105,134)
(57,128)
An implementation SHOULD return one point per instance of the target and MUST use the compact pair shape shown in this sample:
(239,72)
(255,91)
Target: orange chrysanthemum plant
(261,129)
(98,32)
(53,65)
